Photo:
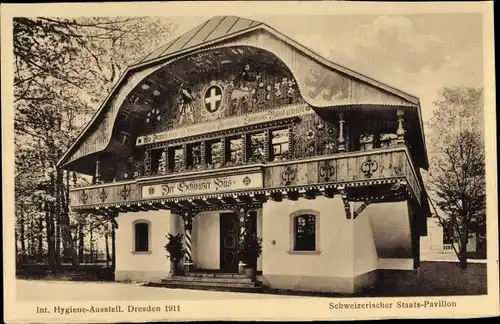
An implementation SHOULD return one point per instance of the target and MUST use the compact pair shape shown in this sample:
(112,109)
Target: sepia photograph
(331,160)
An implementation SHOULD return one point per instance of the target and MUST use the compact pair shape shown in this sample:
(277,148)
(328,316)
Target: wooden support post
(401,131)
(203,161)
(243,213)
(347,207)
(341,139)
(268,145)
(147,163)
(188,217)
(97,178)
(361,208)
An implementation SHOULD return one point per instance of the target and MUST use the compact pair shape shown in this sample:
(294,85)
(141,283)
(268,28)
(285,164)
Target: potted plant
(250,253)
(176,251)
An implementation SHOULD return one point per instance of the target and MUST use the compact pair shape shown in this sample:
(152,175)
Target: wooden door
(229,229)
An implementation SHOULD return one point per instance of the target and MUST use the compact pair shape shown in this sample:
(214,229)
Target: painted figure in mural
(330,84)
(186,103)
(242,83)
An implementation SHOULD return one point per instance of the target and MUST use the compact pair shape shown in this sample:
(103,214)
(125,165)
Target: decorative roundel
(213,98)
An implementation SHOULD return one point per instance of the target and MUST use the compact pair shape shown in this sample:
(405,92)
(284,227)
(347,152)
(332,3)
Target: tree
(457,170)
(63,70)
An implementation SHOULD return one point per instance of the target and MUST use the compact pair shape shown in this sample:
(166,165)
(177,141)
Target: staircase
(213,281)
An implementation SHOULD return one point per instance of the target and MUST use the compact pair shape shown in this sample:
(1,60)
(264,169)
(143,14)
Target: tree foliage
(457,171)
(63,69)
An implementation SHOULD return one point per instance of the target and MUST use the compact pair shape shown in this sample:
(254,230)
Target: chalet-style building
(234,129)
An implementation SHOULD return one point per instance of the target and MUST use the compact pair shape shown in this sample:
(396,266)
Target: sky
(418,54)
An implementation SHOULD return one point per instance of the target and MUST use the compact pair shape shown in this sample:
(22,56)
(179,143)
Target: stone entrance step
(214,281)
(242,280)
(215,275)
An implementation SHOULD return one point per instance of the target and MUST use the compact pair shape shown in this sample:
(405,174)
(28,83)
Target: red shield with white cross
(213,98)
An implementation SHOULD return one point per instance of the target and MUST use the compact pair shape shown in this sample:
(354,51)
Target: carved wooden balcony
(362,172)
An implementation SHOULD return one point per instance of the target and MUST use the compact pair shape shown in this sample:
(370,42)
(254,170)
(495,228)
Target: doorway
(229,239)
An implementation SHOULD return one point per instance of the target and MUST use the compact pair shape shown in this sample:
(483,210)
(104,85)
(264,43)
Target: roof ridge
(161,52)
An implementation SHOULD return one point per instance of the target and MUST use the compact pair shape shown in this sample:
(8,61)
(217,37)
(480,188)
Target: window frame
(134,236)
(293,231)
(283,156)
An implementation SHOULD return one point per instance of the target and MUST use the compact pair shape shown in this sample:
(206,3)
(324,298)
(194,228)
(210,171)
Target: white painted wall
(206,240)
(259,234)
(434,239)
(365,252)
(149,265)
(433,242)
(390,224)
(335,239)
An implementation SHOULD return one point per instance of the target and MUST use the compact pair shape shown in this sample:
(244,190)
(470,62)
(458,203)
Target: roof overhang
(301,60)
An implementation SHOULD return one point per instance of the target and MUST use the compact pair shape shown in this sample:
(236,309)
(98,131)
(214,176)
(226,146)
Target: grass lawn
(436,278)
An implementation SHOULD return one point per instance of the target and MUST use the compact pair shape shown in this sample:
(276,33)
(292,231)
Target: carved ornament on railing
(288,175)
(369,167)
(326,171)
(125,192)
(84,197)
(103,194)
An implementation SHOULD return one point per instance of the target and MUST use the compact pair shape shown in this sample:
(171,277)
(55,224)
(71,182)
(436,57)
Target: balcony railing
(363,168)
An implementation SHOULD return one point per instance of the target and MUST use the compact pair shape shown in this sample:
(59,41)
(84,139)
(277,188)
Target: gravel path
(38,290)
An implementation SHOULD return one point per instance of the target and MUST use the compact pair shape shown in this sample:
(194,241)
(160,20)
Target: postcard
(255,160)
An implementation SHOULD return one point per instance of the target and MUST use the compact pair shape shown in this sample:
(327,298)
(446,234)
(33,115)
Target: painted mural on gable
(216,96)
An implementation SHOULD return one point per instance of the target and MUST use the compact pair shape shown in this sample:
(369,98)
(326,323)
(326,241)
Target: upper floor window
(193,155)
(256,145)
(366,142)
(176,158)
(279,144)
(156,160)
(304,232)
(388,139)
(369,141)
(141,236)
(235,149)
(214,151)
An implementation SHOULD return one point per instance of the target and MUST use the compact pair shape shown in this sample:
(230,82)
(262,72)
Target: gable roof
(221,28)
(216,27)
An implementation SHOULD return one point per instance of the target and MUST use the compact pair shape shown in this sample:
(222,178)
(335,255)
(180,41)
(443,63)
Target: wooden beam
(200,203)
(229,200)
(293,195)
(173,205)
(215,201)
(261,198)
(361,208)
(187,203)
(311,194)
(276,196)
(329,192)
(133,208)
(347,207)
(152,206)
(142,207)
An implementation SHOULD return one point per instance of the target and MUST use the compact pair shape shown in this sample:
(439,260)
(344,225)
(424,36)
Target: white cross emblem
(213,98)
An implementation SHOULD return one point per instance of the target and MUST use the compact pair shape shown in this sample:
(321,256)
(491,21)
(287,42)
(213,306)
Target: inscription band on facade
(252,118)
(203,186)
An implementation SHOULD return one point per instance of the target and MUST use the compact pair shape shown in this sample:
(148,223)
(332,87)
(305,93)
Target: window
(194,155)
(141,230)
(448,237)
(304,232)
(214,153)
(235,150)
(256,146)
(280,144)
(388,140)
(155,160)
(366,142)
(176,158)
